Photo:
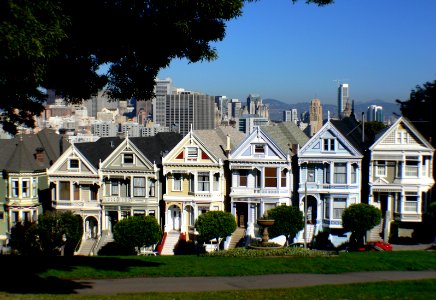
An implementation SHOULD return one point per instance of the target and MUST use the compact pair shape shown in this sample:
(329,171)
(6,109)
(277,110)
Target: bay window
(340,175)
(339,205)
(177,182)
(270,177)
(138,186)
(203,182)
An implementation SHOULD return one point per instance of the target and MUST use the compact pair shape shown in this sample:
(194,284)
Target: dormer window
(73,163)
(128,158)
(329,145)
(259,149)
(192,152)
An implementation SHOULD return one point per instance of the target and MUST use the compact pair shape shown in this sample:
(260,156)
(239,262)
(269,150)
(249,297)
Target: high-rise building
(222,103)
(375,113)
(180,111)
(343,98)
(315,116)
(256,107)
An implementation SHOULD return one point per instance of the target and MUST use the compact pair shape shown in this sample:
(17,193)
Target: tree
(60,45)
(288,221)
(137,232)
(215,225)
(372,128)
(359,218)
(24,238)
(73,229)
(420,109)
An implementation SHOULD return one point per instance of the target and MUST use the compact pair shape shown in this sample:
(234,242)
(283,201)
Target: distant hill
(276,108)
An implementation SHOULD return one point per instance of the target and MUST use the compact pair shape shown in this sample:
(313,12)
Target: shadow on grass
(21,274)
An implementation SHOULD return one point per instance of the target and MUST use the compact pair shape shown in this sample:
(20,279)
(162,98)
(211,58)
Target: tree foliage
(372,128)
(288,221)
(61,45)
(215,225)
(53,231)
(420,109)
(359,218)
(137,231)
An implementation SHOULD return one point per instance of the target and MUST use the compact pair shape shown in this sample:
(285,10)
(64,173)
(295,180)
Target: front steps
(86,247)
(237,236)
(170,243)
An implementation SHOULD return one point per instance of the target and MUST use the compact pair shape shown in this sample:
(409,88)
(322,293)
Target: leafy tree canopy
(137,231)
(288,221)
(359,218)
(420,109)
(215,225)
(60,45)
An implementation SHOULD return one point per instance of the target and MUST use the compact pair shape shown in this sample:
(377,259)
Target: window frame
(72,167)
(126,159)
(139,186)
(380,168)
(259,149)
(203,181)
(329,145)
(192,152)
(242,174)
(270,179)
(335,173)
(178,180)
(336,209)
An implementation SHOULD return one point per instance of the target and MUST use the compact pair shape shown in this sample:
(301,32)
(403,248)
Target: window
(310,173)
(402,137)
(34,187)
(339,205)
(411,203)
(270,177)
(73,164)
(191,183)
(340,175)
(353,173)
(64,190)
(177,182)
(25,188)
(259,149)
(327,208)
(216,182)
(412,166)
(380,168)
(203,182)
(94,192)
(128,158)
(399,170)
(76,192)
(243,174)
(327,173)
(152,188)
(2,215)
(15,188)
(192,152)
(115,188)
(138,187)
(329,145)
(283,178)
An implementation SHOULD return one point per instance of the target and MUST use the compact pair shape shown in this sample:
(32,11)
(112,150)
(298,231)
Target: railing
(205,194)
(259,191)
(67,203)
(328,186)
(117,199)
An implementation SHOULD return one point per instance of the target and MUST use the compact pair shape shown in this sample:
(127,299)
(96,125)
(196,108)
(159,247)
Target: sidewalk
(188,284)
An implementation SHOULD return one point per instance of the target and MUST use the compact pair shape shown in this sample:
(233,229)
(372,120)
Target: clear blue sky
(294,52)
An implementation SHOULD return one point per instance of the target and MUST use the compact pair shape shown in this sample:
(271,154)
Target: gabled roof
(215,140)
(351,129)
(151,147)
(18,154)
(286,134)
(387,131)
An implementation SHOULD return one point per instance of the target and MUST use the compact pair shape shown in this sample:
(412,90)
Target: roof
(351,129)
(215,140)
(152,147)
(19,153)
(286,134)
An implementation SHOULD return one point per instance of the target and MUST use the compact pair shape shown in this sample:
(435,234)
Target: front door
(174,217)
(242,214)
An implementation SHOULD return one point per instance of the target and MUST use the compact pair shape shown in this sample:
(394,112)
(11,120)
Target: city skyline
(295,52)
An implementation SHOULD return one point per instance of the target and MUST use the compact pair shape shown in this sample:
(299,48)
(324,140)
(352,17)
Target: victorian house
(330,166)
(195,178)
(261,178)
(110,179)
(401,176)
(24,188)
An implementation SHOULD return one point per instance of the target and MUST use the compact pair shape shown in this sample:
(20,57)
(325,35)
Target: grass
(170,266)
(421,289)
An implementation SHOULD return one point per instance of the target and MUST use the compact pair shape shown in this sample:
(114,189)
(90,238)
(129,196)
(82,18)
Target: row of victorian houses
(176,178)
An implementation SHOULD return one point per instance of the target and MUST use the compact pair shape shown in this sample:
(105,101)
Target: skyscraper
(315,116)
(375,113)
(343,98)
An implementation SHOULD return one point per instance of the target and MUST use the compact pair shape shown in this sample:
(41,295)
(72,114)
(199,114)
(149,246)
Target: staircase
(237,236)
(86,247)
(374,234)
(106,238)
(170,243)
(310,230)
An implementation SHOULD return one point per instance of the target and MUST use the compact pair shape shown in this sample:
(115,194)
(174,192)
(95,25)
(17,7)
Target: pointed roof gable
(341,130)
(387,133)
(351,129)
(98,150)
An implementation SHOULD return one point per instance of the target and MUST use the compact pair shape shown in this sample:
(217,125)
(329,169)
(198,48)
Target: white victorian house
(330,165)
(261,178)
(401,176)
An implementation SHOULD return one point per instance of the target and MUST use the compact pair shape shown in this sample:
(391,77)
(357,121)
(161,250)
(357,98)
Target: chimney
(39,156)
(228,145)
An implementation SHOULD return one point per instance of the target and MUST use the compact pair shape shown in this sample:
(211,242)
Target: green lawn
(166,266)
(422,289)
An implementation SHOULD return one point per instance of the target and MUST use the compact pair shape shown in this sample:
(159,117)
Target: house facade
(330,167)
(261,179)
(401,176)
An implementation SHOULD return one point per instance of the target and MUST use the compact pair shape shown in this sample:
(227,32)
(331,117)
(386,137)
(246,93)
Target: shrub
(215,225)
(288,220)
(359,218)
(287,251)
